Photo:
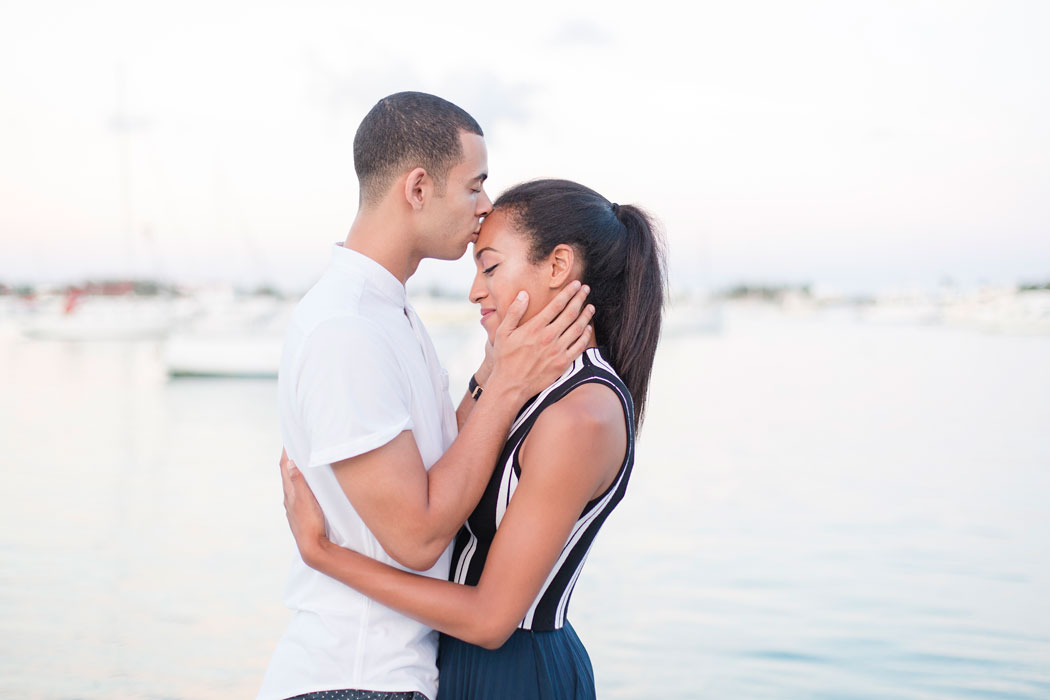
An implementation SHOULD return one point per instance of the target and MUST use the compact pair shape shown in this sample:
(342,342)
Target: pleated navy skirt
(530,666)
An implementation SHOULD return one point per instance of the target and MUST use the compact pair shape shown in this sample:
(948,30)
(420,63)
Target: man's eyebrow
(482,177)
(478,253)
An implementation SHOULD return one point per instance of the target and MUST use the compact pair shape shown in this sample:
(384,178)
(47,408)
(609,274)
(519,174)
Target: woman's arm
(574,451)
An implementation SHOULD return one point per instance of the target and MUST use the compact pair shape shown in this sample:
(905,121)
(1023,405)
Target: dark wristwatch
(474,388)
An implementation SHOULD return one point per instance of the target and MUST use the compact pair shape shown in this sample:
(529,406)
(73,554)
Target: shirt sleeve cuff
(358,446)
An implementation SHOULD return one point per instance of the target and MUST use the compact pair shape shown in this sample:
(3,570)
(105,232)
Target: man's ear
(417,188)
(562,261)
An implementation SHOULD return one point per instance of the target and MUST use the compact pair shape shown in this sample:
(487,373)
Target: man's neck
(372,235)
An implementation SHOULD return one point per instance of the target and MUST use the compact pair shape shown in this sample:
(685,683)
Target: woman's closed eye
(488,270)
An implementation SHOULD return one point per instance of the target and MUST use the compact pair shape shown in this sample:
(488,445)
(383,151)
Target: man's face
(457,214)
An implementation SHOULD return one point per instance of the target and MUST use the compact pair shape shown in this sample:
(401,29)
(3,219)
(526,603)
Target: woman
(564,467)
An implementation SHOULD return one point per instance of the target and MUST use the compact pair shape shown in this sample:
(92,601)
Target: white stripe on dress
(466,555)
(577,532)
(508,483)
(576,366)
(563,604)
(597,359)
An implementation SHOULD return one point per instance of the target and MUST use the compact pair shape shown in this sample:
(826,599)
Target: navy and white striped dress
(543,658)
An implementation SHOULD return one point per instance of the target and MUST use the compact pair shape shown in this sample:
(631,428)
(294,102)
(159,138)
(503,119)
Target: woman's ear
(562,265)
(417,188)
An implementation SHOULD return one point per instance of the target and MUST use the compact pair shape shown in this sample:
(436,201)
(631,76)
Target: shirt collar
(388,286)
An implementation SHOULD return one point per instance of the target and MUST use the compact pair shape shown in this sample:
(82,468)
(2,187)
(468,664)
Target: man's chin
(461,250)
(451,254)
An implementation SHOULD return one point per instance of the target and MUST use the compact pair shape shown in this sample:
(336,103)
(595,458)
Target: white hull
(240,338)
(249,355)
(100,320)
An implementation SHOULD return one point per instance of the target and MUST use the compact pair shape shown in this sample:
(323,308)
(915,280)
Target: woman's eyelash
(488,270)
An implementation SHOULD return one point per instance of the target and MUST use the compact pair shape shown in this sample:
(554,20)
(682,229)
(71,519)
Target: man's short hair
(407,130)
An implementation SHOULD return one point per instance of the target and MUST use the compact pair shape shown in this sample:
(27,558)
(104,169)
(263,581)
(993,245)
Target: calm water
(820,509)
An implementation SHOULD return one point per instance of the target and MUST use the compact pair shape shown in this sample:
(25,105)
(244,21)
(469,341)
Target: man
(365,410)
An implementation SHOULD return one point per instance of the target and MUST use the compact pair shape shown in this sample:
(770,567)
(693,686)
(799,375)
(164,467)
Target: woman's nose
(477,291)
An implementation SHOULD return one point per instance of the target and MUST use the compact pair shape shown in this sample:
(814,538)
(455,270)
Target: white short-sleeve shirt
(355,372)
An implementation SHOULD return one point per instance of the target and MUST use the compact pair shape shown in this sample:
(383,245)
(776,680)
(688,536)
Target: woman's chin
(490,323)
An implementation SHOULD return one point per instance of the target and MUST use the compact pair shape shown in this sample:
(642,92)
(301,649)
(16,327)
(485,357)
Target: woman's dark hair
(407,130)
(623,262)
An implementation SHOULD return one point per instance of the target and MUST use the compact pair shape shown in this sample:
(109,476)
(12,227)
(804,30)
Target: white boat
(244,355)
(902,308)
(241,339)
(100,318)
(1002,310)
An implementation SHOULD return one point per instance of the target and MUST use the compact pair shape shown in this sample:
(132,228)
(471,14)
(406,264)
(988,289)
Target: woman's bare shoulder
(585,429)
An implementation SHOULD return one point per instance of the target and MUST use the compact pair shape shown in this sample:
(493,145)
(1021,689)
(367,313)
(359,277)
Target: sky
(852,146)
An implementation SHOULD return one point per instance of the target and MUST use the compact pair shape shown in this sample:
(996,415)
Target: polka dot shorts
(358,695)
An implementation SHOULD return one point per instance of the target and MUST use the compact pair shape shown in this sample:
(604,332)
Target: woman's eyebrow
(478,253)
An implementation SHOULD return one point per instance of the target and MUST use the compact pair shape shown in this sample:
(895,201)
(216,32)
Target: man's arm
(467,403)
(415,513)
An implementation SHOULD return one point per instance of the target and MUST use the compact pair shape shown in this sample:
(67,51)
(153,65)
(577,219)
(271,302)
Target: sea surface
(820,508)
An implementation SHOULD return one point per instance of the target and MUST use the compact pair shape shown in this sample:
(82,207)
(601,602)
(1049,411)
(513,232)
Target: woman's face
(501,255)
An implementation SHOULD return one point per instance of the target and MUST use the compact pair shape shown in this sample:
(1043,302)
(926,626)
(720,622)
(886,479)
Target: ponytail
(633,342)
(623,263)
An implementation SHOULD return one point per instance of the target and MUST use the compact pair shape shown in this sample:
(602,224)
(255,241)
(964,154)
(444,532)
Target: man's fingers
(290,475)
(560,301)
(514,312)
(286,481)
(577,327)
(581,343)
(571,312)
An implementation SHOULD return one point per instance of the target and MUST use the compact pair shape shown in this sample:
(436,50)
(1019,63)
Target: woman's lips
(485,314)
